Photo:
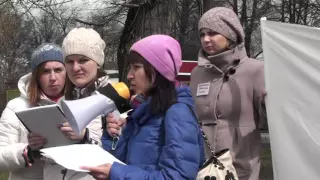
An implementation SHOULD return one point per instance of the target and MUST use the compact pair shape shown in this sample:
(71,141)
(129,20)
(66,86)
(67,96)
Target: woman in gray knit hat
(228,88)
(19,149)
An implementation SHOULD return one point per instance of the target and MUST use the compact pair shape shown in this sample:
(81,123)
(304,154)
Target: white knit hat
(85,42)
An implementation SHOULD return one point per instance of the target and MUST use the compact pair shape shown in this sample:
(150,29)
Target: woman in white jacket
(43,86)
(84,57)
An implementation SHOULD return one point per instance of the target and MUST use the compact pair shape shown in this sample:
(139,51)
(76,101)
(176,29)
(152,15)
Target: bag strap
(203,134)
(200,126)
(213,159)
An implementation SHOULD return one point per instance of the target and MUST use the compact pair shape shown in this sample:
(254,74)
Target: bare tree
(13,31)
(109,22)
(208,4)
(188,12)
(303,12)
(144,18)
(13,47)
(186,29)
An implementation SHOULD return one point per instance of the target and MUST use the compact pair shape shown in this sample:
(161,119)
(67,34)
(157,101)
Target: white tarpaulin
(292,68)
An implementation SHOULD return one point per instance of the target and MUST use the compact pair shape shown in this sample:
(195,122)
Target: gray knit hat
(223,21)
(44,53)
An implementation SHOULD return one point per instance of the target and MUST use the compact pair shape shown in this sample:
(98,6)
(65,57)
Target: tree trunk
(208,4)
(291,17)
(305,16)
(282,11)
(184,20)
(250,27)
(151,17)
(235,6)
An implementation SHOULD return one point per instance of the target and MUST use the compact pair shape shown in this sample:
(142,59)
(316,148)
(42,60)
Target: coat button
(232,70)
(236,62)
(225,78)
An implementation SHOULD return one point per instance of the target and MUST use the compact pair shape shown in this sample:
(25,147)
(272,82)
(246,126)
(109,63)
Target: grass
(3,176)
(12,93)
(266,171)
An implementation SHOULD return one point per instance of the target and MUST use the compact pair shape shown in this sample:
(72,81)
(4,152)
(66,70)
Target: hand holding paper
(99,172)
(77,155)
(66,129)
(36,141)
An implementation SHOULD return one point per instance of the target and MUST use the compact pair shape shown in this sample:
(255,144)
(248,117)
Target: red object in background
(185,71)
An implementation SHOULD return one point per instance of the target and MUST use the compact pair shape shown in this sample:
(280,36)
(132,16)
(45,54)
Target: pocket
(226,135)
(245,149)
(202,105)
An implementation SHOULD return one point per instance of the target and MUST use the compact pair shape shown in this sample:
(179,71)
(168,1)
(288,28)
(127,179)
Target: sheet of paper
(76,155)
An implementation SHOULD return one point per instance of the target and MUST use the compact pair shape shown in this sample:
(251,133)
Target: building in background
(185,71)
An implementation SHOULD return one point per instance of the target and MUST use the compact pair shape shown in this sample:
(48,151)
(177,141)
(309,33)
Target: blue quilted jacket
(167,146)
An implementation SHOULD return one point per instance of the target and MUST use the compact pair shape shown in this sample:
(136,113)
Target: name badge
(203,89)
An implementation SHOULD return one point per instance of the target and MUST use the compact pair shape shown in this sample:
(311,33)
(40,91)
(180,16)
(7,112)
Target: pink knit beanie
(162,52)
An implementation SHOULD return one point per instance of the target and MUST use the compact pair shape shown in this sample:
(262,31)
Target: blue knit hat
(44,53)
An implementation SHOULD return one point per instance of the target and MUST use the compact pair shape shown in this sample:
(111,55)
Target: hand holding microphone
(114,125)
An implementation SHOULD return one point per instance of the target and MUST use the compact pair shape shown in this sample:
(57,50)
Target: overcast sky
(86,7)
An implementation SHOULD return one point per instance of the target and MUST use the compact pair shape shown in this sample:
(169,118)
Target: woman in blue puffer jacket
(161,138)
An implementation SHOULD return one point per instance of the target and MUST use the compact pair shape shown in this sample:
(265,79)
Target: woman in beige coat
(228,88)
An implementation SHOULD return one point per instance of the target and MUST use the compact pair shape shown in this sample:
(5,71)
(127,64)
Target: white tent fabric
(292,71)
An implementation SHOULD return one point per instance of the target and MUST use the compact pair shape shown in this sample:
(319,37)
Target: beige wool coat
(228,91)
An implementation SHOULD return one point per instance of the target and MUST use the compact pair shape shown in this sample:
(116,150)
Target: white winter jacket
(13,137)
(13,140)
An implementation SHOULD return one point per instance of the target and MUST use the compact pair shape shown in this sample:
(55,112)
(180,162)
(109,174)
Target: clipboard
(45,120)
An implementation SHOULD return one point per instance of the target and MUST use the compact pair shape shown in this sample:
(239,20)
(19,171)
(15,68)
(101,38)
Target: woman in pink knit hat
(161,138)
(228,88)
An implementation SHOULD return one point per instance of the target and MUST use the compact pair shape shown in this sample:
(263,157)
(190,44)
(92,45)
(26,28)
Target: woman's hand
(114,125)
(66,129)
(100,172)
(36,141)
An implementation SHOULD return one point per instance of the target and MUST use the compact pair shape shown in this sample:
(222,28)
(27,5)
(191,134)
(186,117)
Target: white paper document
(77,155)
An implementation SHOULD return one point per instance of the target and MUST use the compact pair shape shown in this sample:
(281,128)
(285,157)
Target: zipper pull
(115,143)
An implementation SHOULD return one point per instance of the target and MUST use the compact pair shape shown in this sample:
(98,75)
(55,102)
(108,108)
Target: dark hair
(90,87)
(162,91)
